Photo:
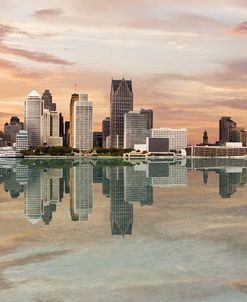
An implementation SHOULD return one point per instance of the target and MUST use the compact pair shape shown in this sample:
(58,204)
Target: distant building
(239,135)
(12,128)
(229,150)
(83,123)
(74,98)
(226,126)
(66,133)
(177,137)
(97,139)
(33,118)
(135,129)
(149,116)
(61,125)
(47,98)
(22,140)
(121,102)
(205,138)
(105,131)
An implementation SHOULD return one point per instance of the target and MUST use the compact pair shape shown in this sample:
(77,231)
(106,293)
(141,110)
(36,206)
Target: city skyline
(192,78)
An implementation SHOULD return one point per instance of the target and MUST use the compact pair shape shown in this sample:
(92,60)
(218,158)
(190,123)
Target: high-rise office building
(149,116)
(135,129)
(12,128)
(121,102)
(105,131)
(226,126)
(74,98)
(61,125)
(34,118)
(66,133)
(47,98)
(83,123)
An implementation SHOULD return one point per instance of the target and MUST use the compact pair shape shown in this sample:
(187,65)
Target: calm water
(109,230)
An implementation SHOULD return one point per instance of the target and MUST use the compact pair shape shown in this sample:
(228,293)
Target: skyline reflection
(124,183)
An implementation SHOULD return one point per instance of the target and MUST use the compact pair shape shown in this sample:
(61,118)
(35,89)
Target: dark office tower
(105,131)
(226,127)
(121,102)
(205,138)
(97,139)
(74,98)
(66,134)
(47,98)
(61,125)
(149,115)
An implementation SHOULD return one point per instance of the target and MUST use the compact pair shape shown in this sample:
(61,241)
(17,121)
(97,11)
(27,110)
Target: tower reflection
(126,184)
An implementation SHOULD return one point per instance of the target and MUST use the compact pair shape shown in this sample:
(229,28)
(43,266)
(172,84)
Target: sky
(187,59)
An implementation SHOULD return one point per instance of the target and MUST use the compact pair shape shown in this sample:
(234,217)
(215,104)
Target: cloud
(33,55)
(239,29)
(48,13)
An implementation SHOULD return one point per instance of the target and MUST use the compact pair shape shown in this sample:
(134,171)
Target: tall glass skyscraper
(121,102)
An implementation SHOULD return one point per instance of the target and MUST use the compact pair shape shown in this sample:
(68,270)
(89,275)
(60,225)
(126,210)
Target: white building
(177,137)
(83,120)
(33,118)
(22,140)
(135,129)
(51,128)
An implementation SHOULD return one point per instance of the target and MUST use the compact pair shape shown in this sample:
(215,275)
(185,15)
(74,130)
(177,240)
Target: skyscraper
(121,102)
(105,131)
(47,98)
(74,98)
(226,126)
(149,116)
(135,129)
(33,118)
(66,133)
(83,123)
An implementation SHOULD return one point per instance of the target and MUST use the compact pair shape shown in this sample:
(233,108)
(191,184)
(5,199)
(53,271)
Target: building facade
(149,116)
(83,123)
(226,126)
(135,129)
(121,102)
(105,131)
(177,137)
(47,98)
(33,122)
(12,128)
(22,140)
(74,99)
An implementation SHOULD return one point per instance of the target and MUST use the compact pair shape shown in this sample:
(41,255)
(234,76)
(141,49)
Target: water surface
(111,230)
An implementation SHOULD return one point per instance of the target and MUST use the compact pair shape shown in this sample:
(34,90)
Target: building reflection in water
(81,191)
(126,184)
